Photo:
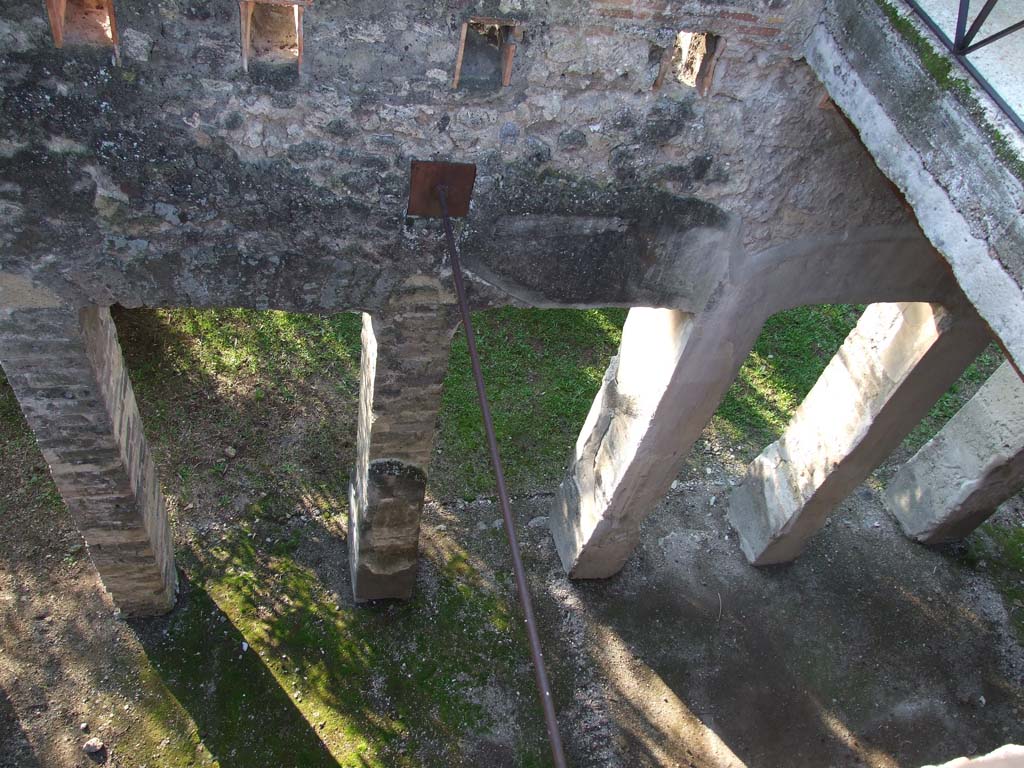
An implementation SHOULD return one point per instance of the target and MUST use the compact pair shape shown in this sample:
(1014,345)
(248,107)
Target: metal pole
(543,687)
(994,37)
(961,24)
(978,22)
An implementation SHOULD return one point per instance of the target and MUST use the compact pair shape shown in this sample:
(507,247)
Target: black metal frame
(963,45)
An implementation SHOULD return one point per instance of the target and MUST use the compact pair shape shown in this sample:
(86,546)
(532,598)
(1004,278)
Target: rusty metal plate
(427,175)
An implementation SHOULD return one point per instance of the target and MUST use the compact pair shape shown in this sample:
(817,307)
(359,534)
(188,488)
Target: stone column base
(974,464)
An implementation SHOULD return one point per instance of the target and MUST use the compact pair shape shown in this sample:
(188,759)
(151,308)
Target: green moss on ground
(323,683)
(165,733)
(998,548)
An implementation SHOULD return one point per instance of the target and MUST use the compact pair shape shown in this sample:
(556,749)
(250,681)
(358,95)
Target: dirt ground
(869,651)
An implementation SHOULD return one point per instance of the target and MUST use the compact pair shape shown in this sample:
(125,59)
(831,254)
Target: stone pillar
(65,367)
(889,372)
(671,372)
(404,361)
(974,464)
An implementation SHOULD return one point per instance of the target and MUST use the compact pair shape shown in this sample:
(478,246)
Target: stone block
(974,464)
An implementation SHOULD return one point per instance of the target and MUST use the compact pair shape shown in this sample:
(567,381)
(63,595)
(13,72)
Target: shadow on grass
(279,390)
(791,353)
(244,717)
(383,685)
(325,683)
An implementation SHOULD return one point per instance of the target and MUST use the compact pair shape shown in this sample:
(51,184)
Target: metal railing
(965,43)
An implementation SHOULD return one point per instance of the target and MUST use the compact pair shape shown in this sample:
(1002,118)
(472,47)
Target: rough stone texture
(404,360)
(179,180)
(673,369)
(66,369)
(968,202)
(974,464)
(890,370)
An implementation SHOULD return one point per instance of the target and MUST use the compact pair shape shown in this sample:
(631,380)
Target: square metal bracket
(426,176)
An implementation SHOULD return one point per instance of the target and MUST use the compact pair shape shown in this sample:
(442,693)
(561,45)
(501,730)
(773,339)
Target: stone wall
(178,178)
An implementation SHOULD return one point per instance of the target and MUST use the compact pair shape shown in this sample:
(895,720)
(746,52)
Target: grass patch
(277,388)
(323,683)
(790,354)
(258,533)
(348,684)
(542,369)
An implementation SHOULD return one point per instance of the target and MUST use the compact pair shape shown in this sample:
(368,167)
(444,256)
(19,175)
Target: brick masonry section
(66,368)
(404,361)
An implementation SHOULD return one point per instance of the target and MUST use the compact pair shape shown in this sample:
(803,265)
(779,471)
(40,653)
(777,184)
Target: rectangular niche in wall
(272,31)
(87,22)
(486,49)
(691,60)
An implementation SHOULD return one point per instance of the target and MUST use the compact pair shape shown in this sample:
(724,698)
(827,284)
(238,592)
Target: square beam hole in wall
(272,31)
(84,22)
(691,60)
(487,47)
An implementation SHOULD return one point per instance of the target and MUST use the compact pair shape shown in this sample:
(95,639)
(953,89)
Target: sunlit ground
(266,661)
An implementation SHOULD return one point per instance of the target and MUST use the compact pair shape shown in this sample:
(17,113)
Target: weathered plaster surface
(965,198)
(177,179)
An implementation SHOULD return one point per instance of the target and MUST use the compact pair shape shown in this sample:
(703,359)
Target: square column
(66,369)
(974,464)
(887,375)
(658,394)
(404,360)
